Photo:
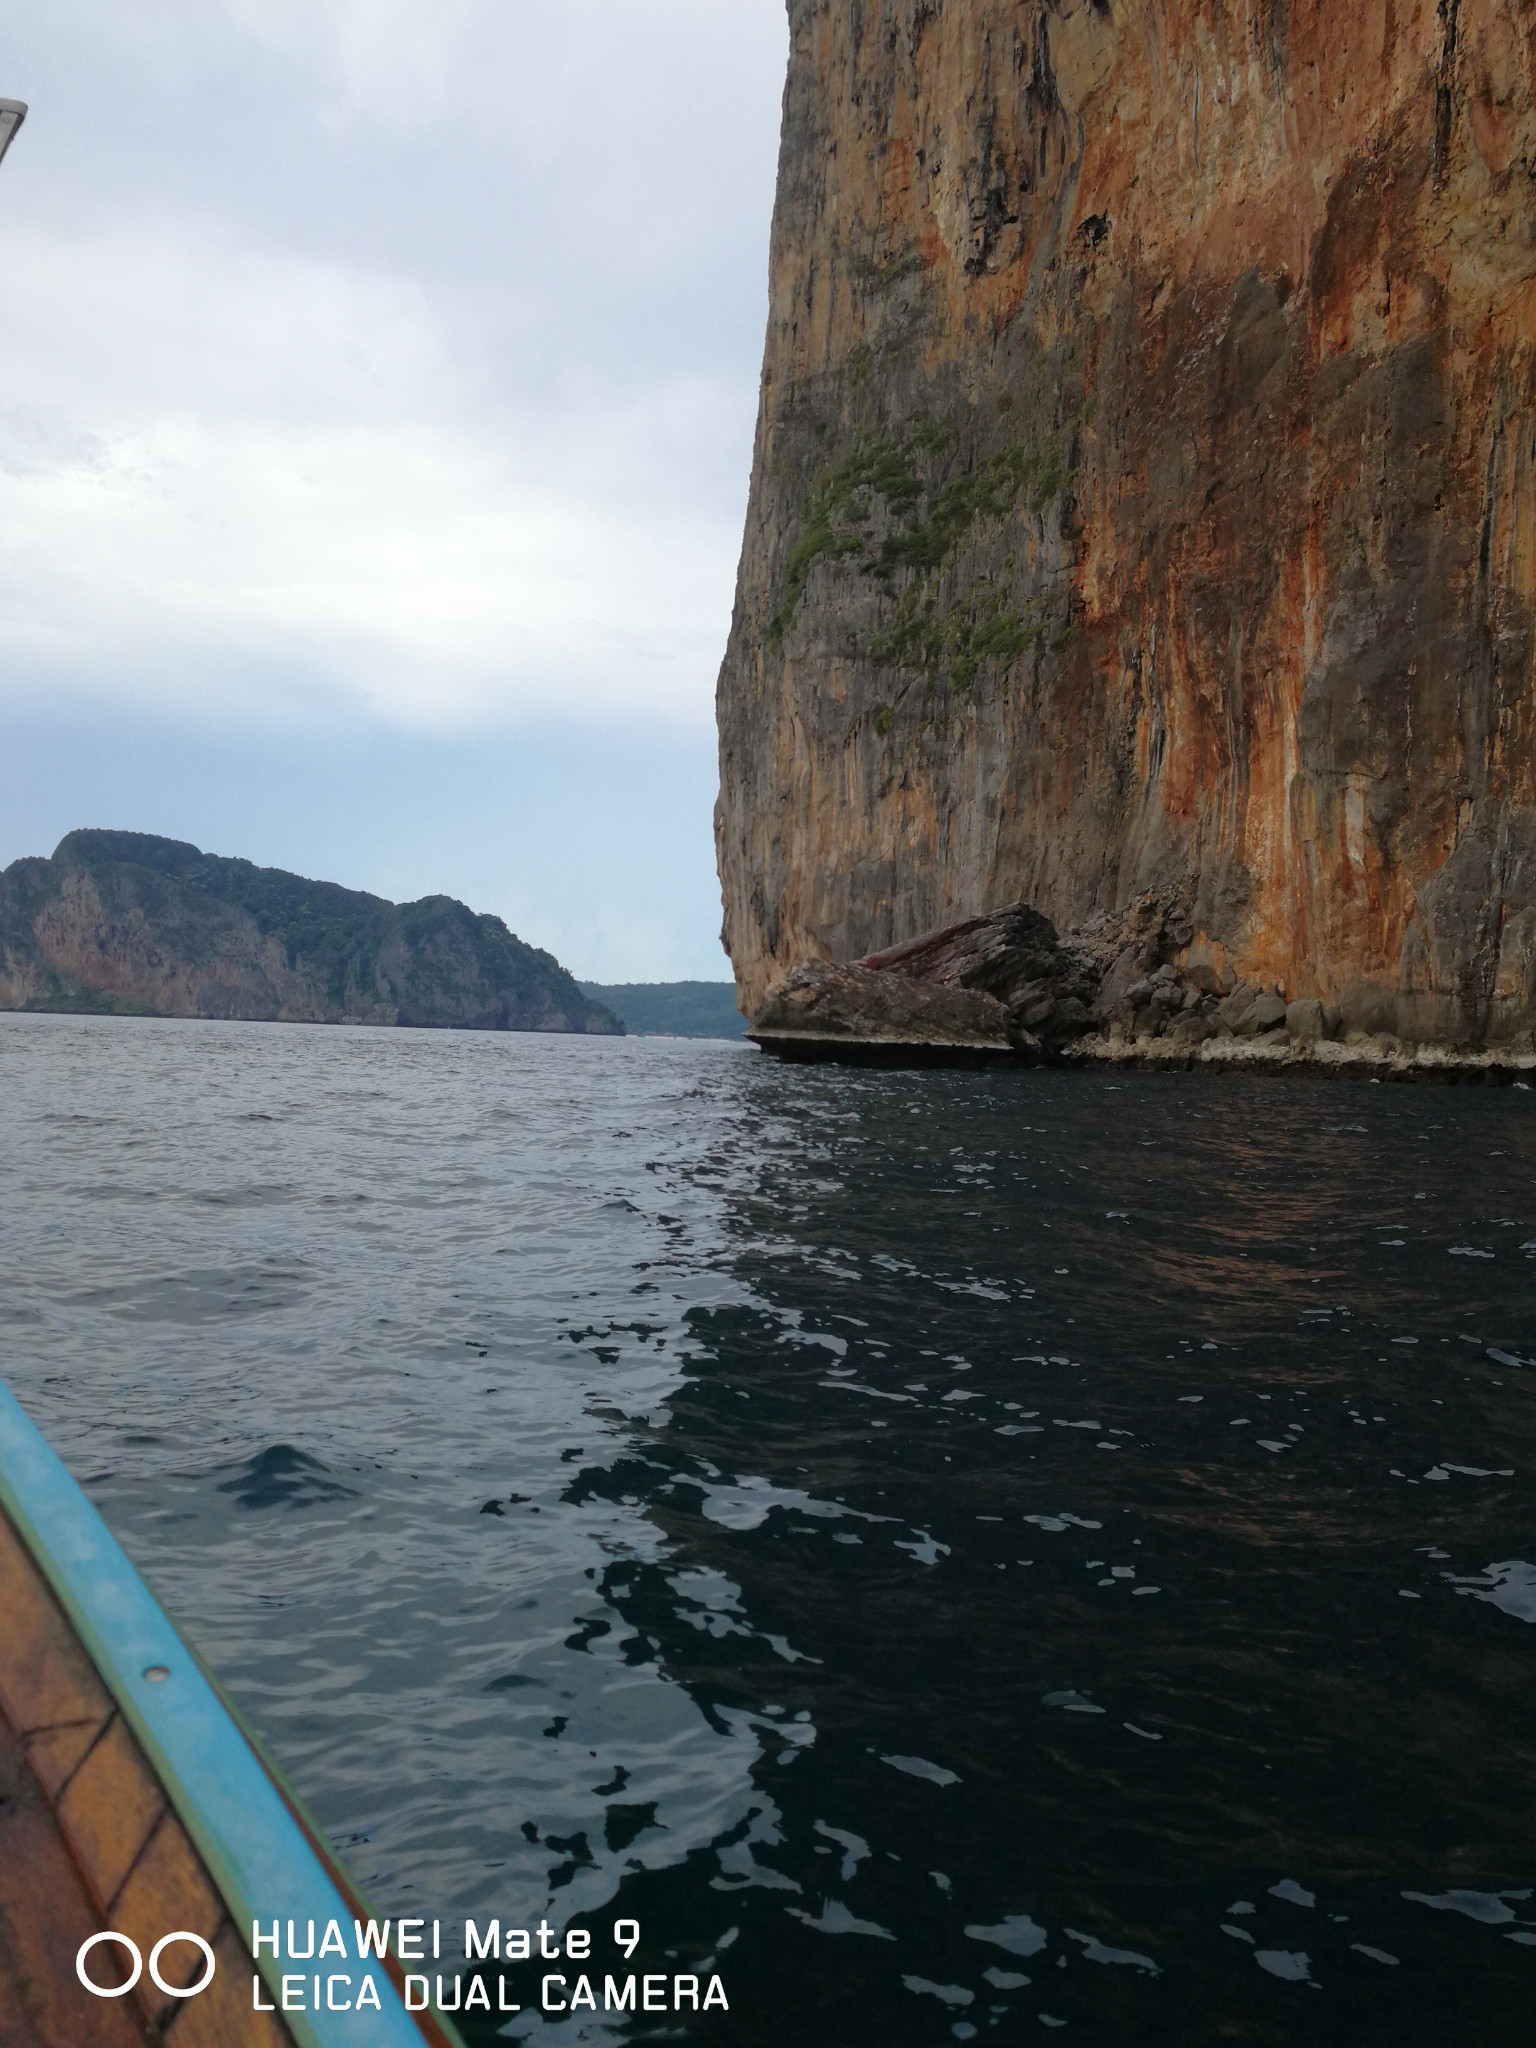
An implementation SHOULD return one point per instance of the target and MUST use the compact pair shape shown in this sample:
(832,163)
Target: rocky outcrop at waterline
(124,922)
(1007,990)
(1144,499)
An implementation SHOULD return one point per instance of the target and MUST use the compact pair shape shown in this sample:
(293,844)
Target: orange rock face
(1145,493)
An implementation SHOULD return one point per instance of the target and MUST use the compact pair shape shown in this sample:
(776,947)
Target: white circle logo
(101,1990)
(159,1949)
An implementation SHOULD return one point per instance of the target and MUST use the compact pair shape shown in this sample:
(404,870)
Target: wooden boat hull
(134,1806)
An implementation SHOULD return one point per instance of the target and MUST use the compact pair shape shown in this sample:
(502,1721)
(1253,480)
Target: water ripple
(633,1478)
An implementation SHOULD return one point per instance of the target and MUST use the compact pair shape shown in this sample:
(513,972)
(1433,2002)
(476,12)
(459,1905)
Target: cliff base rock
(843,1009)
(1130,988)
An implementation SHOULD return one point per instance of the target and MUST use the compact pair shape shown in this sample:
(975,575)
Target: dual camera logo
(124,1941)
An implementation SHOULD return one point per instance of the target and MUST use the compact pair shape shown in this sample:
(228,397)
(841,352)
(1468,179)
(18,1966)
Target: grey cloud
(290,275)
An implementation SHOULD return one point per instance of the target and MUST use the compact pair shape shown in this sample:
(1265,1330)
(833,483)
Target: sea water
(956,1556)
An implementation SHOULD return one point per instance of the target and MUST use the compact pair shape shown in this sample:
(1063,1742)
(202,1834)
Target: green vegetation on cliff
(130,923)
(878,511)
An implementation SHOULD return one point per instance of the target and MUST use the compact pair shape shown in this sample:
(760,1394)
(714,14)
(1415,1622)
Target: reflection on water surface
(965,1553)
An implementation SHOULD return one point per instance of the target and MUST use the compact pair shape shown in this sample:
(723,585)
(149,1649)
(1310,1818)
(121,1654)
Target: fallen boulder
(821,1007)
(1308,1019)
(1269,1013)
(1008,982)
(1047,988)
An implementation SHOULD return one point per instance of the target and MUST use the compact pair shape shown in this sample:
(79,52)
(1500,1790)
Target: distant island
(125,923)
(672,1009)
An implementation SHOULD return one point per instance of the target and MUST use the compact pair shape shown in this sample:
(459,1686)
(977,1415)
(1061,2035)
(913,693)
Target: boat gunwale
(246,1823)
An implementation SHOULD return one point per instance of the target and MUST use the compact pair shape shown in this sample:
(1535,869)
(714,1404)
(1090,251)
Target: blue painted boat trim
(253,1846)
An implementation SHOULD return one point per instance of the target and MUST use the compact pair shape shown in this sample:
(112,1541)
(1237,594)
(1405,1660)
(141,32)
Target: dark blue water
(958,1556)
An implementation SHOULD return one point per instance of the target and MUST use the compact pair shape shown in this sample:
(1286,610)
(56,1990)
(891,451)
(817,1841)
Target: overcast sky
(377,383)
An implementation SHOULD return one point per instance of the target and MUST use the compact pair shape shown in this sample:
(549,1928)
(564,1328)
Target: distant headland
(672,1009)
(129,924)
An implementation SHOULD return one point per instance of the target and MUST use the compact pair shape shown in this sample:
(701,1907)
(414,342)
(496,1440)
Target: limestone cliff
(1144,495)
(123,921)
